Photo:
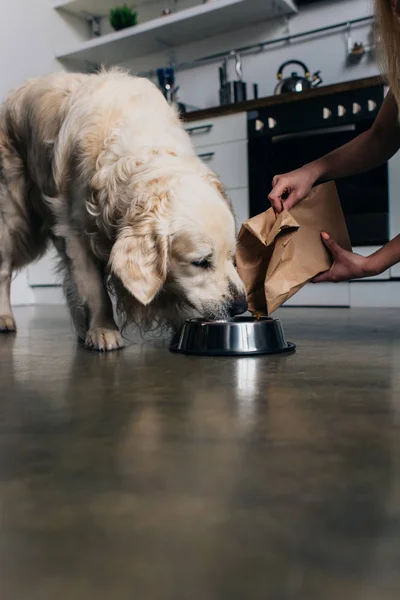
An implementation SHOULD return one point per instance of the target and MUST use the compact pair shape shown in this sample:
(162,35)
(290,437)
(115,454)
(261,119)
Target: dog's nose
(238,306)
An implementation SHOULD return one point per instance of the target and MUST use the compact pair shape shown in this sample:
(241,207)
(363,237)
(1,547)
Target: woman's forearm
(384,258)
(367,151)
(358,156)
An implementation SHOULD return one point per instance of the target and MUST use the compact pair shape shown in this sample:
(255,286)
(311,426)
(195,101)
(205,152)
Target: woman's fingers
(332,245)
(325,276)
(346,265)
(288,190)
(279,189)
(291,200)
(335,251)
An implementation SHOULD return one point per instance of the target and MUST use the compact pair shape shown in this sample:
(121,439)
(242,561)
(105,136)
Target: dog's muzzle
(238,306)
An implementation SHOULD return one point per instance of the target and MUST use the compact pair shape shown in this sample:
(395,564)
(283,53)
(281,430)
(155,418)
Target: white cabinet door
(394,204)
(44,271)
(367,294)
(322,294)
(240,205)
(229,162)
(218,130)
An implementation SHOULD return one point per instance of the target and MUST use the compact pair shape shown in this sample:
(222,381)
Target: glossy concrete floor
(150,476)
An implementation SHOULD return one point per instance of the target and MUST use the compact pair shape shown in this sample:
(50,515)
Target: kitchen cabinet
(229,162)
(221,142)
(240,204)
(43,272)
(382,294)
(43,281)
(322,294)
(394,204)
(218,130)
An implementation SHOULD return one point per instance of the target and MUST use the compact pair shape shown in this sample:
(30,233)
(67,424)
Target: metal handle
(199,129)
(206,155)
(292,62)
(238,64)
(313,133)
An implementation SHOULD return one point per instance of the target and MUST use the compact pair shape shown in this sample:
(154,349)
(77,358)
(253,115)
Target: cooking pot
(296,83)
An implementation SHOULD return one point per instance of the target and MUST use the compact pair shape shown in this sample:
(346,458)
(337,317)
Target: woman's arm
(386,257)
(348,265)
(367,151)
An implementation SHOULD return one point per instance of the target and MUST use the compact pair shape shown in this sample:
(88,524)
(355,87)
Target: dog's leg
(89,303)
(15,251)
(23,233)
(9,223)
(7,321)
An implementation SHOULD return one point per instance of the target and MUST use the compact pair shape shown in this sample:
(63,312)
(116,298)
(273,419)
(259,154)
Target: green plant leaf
(122,17)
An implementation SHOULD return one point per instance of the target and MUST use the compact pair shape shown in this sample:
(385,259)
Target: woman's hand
(346,265)
(292,187)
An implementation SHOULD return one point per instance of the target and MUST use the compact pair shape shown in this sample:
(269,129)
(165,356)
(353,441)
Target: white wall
(327,53)
(28,29)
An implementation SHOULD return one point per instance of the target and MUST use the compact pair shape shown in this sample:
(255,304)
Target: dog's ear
(139,257)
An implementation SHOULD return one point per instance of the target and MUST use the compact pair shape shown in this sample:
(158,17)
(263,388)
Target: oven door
(364,197)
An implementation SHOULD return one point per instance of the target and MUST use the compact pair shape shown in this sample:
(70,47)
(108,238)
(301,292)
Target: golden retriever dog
(100,166)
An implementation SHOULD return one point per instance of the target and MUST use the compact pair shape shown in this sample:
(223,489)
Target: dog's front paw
(103,339)
(7,324)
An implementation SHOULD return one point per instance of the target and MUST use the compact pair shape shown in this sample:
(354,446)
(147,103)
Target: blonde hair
(388,29)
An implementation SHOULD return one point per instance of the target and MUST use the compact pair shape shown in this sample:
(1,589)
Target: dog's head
(179,251)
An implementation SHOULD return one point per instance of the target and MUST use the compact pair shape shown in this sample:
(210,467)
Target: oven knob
(341,111)
(271,123)
(356,108)
(326,113)
(371,105)
(259,125)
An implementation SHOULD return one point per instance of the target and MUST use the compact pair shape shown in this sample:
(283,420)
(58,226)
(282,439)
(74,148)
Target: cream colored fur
(100,166)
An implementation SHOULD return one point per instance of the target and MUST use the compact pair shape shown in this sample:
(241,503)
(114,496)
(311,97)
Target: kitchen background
(43,36)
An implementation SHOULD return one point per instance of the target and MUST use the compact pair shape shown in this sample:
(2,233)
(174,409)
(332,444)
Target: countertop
(219,111)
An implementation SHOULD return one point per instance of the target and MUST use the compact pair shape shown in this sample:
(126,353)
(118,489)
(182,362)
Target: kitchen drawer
(229,162)
(240,205)
(370,294)
(218,130)
(43,271)
(395,272)
(322,294)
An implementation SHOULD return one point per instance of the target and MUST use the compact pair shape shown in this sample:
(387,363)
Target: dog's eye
(202,264)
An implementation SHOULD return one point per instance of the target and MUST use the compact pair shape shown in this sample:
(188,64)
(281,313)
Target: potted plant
(122,17)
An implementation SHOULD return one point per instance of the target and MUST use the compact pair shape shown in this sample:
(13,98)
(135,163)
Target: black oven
(285,136)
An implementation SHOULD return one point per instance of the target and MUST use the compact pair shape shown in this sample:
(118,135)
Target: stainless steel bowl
(241,336)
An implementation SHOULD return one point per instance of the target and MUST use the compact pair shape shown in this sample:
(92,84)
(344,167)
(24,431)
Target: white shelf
(185,26)
(93,7)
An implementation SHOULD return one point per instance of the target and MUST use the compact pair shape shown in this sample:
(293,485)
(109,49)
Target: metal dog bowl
(241,336)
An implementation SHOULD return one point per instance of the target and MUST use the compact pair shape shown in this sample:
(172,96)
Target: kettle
(296,83)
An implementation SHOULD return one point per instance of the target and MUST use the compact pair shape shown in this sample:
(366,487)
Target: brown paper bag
(278,254)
